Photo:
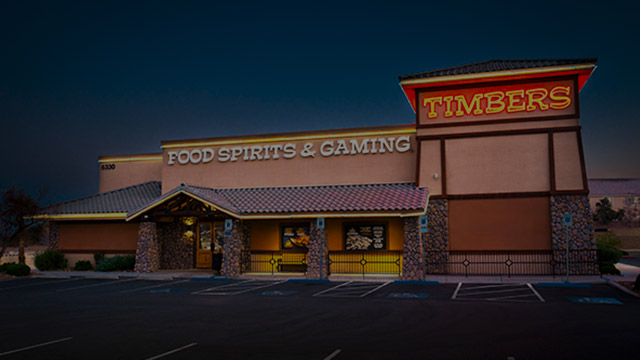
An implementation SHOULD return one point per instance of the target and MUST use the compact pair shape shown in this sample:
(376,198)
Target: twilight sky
(88,78)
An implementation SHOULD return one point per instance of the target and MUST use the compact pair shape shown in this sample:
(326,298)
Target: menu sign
(295,237)
(365,236)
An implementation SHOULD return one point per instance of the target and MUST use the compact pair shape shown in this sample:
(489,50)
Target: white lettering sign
(366,146)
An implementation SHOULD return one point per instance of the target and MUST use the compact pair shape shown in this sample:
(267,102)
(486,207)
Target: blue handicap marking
(408,295)
(277,293)
(595,300)
(165,291)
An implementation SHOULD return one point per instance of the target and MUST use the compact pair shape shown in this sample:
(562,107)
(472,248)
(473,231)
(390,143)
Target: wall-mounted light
(188,234)
(436,176)
(189,221)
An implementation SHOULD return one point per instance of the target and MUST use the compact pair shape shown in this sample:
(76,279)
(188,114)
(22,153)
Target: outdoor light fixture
(188,221)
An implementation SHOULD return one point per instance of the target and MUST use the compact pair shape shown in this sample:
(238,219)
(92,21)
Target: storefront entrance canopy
(397,199)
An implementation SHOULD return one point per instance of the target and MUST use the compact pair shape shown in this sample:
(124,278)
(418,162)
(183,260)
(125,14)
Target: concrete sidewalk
(629,273)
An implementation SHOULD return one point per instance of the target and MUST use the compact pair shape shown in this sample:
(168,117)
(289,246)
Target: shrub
(609,238)
(18,269)
(50,260)
(129,262)
(98,257)
(608,256)
(83,265)
(3,267)
(116,263)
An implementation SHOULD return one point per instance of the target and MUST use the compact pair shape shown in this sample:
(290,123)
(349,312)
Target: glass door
(203,251)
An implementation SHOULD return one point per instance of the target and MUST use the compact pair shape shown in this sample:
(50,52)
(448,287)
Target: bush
(18,269)
(83,265)
(50,260)
(98,257)
(3,267)
(609,238)
(608,256)
(117,263)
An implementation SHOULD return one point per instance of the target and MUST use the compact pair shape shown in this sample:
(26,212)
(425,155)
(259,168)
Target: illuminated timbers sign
(328,148)
(515,100)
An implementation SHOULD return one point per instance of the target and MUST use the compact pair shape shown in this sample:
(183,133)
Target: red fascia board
(410,90)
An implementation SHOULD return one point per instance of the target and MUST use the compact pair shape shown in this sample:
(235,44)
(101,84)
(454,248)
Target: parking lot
(267,319)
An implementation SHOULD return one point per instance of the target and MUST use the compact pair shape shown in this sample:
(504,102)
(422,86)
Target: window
(365,236)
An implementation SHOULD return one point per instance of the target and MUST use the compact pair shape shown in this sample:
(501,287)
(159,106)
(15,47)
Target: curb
(38,276)
(620,287)
(416,282)
(309,281)
(151,278)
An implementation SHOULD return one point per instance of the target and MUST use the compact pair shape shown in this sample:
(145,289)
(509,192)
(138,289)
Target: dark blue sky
(83,79)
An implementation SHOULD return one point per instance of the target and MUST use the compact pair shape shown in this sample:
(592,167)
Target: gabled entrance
(190,231)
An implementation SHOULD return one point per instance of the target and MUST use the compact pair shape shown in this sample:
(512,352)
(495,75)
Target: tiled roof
(614,187)
(115,201)
(401,197)
(496,65)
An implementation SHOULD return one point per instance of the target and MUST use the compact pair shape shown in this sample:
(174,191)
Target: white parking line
(153,286)
(333,354)
(34,346)
(455,293)
(335,287)
(172,351)
(92,285)
(536,292)
(352,289)
(497,292)
(492,292)
(490,286)
(221,286)
(253,286)
(379,287)
(40,283)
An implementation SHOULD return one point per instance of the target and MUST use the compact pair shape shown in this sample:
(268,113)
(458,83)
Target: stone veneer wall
(148,249)
(582,246)
(413,261)
(437,237)
(236,249)
(177,250)
(318,255)
(54,235)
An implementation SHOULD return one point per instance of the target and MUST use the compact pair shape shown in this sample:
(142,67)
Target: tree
(604,213)
(17,211)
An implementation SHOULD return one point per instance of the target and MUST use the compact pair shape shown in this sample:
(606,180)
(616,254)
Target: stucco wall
(128,173)
(429,166)
(568,168)
(388,167)
(497,164)
(93,237)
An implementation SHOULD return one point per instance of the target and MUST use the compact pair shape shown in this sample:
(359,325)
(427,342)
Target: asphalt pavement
(128,318)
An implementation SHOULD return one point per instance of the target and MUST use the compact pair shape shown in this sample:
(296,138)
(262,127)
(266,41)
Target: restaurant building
(478,184)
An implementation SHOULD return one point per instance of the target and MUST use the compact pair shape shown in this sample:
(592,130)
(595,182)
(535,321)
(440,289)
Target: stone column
(147,251)
(582,246)
(413,262)
(245,245)
(236,250)
(437,238)
(54,232)
(177,245)
(318,255)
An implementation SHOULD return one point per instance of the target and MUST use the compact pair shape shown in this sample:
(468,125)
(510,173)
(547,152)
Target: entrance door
(203,252)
